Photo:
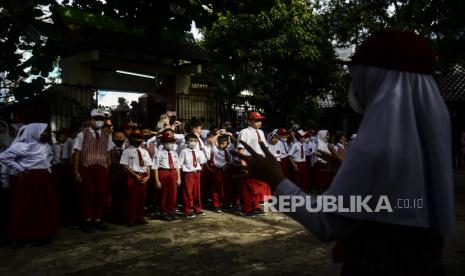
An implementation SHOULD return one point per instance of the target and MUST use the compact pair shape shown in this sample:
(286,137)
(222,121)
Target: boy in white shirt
(190,160)
(207,176)
(167,175)
(252,190)
(284,162)
(137,162)
(298,160)
(278,149)
(222,190)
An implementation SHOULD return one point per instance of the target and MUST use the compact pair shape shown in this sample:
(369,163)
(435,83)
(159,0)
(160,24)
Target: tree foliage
(282,53)
(23,51)
(279,49)
(442,22)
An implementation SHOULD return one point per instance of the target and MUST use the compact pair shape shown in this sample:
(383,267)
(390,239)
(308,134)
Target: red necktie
(258,136)
(211,154)
(200,143)
(302,151)
(97,135)
(170,160)
(194,158)
(141,160)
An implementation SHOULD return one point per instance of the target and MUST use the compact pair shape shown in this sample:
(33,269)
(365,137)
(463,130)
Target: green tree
(23,50)
(441,22)
(26,51)
(282,53)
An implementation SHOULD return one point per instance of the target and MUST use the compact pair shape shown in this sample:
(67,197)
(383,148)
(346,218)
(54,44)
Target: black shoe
(87,227)
(200,213)
(131,224)
(217,210)
(142,222)
(166,217)
(259,212)
(190,216)
(228,209)
(248,215)
(173,216)
(99,225)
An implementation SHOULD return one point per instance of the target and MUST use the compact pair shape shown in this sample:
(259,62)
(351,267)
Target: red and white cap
(167,137)
(255,115)
(282,132)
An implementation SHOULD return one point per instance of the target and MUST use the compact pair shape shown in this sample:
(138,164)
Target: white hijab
(29,145)
(402,150)
(19,133)
(321,143)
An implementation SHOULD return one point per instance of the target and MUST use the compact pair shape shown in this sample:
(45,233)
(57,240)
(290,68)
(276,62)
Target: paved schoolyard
(217,243)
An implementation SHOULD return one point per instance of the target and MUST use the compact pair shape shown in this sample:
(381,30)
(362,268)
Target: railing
(202,107)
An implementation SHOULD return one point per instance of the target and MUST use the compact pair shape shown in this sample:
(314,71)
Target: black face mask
(135,144)
(146,137)
(118,143)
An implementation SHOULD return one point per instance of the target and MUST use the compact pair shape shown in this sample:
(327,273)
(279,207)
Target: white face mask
(353,101)
(169,146)
(306,140)
(98,124)
(191,145)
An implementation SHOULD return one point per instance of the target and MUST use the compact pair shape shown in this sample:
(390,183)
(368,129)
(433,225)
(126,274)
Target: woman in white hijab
(323,177)
(402,155)
(33,208)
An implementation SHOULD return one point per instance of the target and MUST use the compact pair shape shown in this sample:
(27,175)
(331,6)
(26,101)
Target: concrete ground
(217,243)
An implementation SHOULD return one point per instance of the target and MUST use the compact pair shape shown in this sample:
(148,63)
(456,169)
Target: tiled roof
(451,84)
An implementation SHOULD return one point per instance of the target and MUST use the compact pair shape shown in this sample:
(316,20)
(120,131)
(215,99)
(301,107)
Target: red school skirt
(34,206)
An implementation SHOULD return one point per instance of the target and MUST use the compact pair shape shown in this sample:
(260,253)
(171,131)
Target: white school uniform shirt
(310,148)
(62,151)
(17,157)
(80,139)
(278,151)
(297,152)
(130,158)
(219,157)
(250,136)
(68,145)
(186,161)
(57,151)
(180,138)
(285,146)
(161,159)
(210,151)
(202,147)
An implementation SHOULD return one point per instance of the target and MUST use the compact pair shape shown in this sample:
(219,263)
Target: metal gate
(201,107)
(69,105)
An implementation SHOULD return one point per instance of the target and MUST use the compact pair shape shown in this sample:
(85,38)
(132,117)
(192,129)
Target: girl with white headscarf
(323,178)
(33,212)
(401,157)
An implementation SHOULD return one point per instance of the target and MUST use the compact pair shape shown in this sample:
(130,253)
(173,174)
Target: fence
(203,107)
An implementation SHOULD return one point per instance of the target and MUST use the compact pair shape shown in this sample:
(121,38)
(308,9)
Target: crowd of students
(124,176)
